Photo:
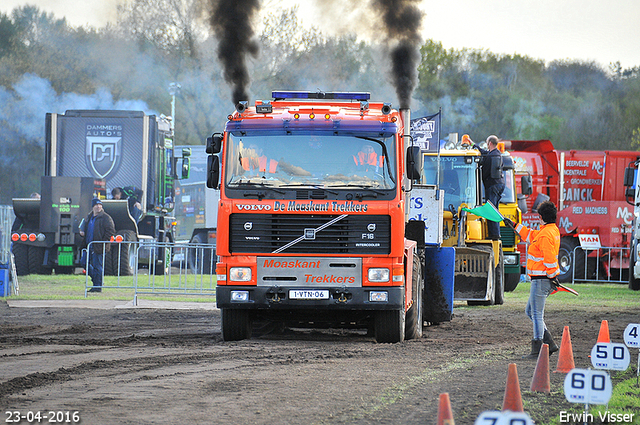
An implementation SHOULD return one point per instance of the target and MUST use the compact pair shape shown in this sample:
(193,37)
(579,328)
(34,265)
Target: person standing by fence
(98,227)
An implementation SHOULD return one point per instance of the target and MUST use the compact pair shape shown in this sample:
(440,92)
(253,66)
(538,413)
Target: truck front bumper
(325,298)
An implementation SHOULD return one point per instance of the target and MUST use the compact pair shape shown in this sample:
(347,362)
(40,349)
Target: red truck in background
(586,188)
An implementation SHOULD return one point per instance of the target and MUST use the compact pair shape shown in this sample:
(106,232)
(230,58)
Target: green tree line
(48,65)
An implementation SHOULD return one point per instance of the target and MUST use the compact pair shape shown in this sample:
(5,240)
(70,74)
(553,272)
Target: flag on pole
(426,132)
(488,211)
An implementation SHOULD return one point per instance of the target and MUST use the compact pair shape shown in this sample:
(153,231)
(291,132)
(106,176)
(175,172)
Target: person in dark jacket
(492,180)
(97,227)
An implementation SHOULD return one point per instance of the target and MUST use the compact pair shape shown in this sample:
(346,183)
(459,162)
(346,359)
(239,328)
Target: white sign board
(589,241)
(632,335)
(494,417)
(610,356)
(425,207)
(587,386)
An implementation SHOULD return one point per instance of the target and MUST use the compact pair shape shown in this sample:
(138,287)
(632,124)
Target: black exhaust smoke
(402,20)
(231,23)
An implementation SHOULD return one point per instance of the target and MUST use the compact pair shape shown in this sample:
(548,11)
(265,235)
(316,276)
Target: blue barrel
(439,276)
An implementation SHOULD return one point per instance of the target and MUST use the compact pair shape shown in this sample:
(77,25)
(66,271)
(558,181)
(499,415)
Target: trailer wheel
(413,329)
(236,324)
(389,325)
(21,257)
(36,258)
(499,282)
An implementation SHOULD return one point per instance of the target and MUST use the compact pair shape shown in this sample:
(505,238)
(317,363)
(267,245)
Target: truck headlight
(378,275)
(378,296)
(240,274)
(511,259)
(240,296)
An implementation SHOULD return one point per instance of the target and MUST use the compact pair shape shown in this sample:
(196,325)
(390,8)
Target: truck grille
(350,234)
(508,237)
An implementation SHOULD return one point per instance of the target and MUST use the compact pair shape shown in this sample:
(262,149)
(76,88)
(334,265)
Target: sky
(586,30)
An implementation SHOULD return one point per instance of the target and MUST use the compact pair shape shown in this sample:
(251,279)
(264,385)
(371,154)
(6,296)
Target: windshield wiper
(314,186)
(376,192)
(384,152)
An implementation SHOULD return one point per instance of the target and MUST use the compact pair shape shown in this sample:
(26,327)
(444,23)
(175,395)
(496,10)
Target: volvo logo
(371,227)
(248,226)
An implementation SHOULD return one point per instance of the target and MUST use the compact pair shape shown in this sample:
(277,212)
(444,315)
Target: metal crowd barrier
(150,267)
(6,221)
(8,277)
(592,270)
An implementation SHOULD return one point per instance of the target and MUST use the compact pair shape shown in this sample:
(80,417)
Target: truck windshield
(457,178)
(318,161)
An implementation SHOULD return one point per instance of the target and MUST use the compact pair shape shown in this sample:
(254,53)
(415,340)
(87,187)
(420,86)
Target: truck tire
(499,282)
(511,281)
(36,258)
(389,325)
(199,259)
(236,324)
(121,259)
(21,256)
(568,264)
(163,262)
(413,326)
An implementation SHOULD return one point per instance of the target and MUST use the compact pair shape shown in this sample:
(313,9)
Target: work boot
(546,339)
(536,345)
(95,289)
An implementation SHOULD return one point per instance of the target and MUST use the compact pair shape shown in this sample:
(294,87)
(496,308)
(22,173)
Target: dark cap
(95,201)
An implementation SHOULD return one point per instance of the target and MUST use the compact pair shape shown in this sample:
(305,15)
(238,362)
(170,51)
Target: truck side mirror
(526,185)
(629,176)
(214,143)
(414,163)
(186,167)
(213,171)
(186,152)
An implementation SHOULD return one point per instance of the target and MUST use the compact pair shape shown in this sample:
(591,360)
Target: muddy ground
(162,366)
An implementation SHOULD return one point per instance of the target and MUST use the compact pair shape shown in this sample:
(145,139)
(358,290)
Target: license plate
(309,294)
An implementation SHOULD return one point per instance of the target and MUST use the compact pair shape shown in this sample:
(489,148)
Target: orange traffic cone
(603,335)
(512,397)
(565,357)
(541,381)
(445,415)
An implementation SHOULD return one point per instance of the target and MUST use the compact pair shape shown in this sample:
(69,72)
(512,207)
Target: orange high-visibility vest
(368,159)
(260,164)
(542,255)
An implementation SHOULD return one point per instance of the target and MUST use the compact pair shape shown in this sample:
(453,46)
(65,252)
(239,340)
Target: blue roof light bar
(279,95)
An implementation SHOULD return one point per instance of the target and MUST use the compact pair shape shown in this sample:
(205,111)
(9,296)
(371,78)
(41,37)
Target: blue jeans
(95,268)
(494,193)
(540,290)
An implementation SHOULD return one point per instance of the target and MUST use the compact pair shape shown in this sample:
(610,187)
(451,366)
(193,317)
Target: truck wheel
(413,328)
(21,256)
(236,324)
(121,259)
(511,281)
(389,325)
(163,262)
(499,282)
(36,258)
(568,265)
(200,258)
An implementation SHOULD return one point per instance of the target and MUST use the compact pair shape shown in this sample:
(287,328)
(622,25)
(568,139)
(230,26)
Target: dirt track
(151,366)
